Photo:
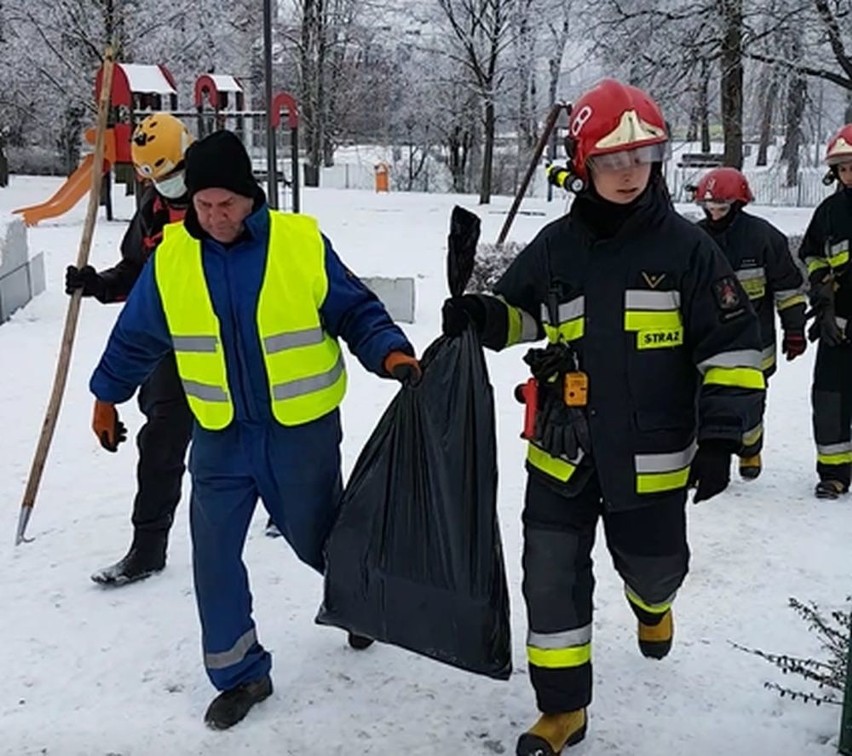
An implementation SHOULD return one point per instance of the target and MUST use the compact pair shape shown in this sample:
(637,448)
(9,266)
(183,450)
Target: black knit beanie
(220,161)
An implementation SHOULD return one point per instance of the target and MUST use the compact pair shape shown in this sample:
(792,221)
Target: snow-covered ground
(87,671)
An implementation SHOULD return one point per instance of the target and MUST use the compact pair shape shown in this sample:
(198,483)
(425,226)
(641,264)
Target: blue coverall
(294,470)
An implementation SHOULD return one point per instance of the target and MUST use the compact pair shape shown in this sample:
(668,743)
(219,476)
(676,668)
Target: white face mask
(173,187)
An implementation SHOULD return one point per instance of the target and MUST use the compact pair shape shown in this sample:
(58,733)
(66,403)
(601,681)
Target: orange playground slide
(73,190)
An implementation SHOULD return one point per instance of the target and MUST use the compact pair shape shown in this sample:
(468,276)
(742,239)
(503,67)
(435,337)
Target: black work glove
(87,280)
(826,328)
(460,312)
(560,430)
(710,473)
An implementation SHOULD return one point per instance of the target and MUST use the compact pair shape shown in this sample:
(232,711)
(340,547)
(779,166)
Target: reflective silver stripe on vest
(662,463)
(640,299)
(749,274)
(567,311)
(195,343)
(233,655)
(293,339)
(303,386)
(841,448)
(734,359)
(204,391)
(565,639)
(841,322)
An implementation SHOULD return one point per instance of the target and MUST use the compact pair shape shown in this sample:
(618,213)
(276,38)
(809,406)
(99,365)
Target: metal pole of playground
(271,158)
(846,720)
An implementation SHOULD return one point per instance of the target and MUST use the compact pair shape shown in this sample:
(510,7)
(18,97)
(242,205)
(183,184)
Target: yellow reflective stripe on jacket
(789,298)
(663,472)
(816,263)
(194,327)
(568,648)
(553,466)
(571,315)
(654,316)
(740,368)
(753,281)
(304,364)
(522,325)
(838,254)
(748,378)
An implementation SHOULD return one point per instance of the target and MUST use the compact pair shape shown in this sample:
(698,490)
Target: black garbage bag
(415,557)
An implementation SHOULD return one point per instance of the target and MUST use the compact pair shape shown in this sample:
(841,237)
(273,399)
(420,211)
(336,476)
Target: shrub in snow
(829,676)
(491,262)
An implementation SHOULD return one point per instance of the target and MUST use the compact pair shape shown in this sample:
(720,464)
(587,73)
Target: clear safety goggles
(721,206)
(620,161)
(173,186)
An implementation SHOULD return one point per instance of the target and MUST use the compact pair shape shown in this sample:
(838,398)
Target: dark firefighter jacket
(140,240)
(760,256)
(825,248)
(662,328)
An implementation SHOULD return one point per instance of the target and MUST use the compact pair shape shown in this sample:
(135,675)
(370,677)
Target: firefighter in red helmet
(825,252)
(761,259)
(650,377)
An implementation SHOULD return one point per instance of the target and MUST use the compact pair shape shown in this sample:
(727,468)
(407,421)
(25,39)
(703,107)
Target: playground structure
(139,90)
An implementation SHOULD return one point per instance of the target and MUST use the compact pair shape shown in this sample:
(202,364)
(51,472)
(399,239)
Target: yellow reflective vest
(304,365)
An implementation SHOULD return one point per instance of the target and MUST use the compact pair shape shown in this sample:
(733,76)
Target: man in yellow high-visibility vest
(252,302)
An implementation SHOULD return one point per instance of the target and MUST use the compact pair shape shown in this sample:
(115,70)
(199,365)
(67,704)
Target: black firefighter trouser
(649,551)
(831,401)
(162,443)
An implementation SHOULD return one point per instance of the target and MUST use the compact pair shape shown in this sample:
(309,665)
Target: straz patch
(727,296)
(659,338)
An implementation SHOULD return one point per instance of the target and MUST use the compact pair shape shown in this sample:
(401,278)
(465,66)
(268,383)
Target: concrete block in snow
(397,294)
(20,278)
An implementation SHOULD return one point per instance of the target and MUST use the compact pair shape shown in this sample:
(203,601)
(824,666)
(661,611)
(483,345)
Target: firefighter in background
(761,259)
(157,150)
(825,252)
(650,379)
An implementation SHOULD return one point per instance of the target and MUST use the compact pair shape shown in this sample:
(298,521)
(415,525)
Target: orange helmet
(618,120)
(723,185)
(158,145)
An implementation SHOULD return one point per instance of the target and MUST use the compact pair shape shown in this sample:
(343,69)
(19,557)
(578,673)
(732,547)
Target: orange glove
(107,427)
(403,367)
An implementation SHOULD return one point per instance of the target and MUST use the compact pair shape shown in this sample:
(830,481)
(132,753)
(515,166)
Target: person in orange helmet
(760,256)
(157,149)
(649,379)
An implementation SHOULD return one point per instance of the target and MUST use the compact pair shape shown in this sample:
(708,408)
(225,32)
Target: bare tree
(480,32)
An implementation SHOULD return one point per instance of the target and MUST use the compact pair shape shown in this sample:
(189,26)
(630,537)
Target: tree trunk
(487,153)
(731,61)
(797,94)
(766,113)
(704,107)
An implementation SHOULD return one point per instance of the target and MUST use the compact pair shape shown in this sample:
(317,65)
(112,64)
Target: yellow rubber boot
(552,733)
(655,641)
(750,467)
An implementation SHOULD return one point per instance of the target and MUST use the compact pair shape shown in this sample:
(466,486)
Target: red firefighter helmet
(723,185)
(839,148)
(614,118)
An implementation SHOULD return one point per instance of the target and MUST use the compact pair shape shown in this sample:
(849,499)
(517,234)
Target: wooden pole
(73,313)
(549,126)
